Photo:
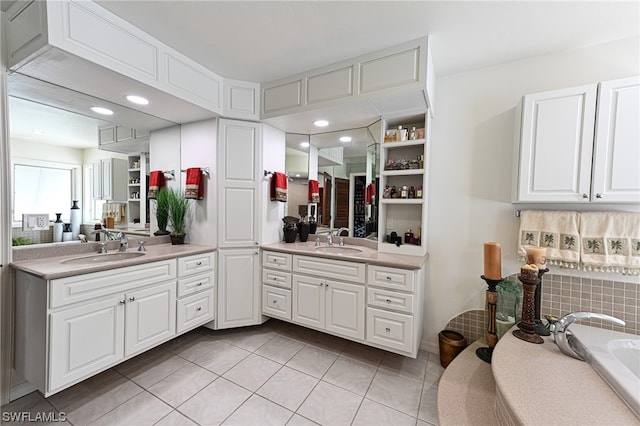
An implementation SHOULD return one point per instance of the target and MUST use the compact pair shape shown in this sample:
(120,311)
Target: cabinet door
(309,301)
(238,158)
(556,145)
(345,309)
(616,175)
(238,288)
(85,340)
(107,179)
(150,317)
(97,180)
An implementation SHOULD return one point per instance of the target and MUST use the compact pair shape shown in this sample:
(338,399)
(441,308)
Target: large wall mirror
(54,143)
(345,164)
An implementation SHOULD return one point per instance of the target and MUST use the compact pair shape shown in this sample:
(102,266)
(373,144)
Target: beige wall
(470,169)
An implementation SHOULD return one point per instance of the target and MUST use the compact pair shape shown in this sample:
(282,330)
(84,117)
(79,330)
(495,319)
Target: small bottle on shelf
(408,236)
(412,134)
(412,192)
(399,134)
(404,192)
(419,191)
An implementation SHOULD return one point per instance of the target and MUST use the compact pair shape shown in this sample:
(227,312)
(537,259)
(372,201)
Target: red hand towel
(372,192)
(279,187)
(195,184)
(367,195)
(314,191)
(156,183)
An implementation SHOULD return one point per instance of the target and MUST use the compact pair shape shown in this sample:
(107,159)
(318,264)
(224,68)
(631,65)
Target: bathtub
(616,357)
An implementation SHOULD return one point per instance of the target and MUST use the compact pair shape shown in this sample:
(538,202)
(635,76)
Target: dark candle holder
(485,354)
(541,330)
(527,324)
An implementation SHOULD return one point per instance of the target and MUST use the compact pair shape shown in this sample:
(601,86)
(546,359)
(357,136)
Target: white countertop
(52,267)
(369,255)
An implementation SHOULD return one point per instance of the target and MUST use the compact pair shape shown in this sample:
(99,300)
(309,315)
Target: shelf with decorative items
(404,183)
(137,190)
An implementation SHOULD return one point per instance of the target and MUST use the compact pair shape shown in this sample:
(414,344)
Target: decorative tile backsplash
(40,237)
(562,294)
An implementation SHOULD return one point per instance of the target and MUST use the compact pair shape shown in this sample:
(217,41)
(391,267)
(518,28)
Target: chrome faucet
(124,241)
(329,238)
(566,341)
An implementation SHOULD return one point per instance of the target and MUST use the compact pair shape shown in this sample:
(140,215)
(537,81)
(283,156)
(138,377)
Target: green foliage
(178,208)
(20,241)
(162,208)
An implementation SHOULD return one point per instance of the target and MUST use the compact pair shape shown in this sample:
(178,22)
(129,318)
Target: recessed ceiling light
(345,139)
(139,100)
(304,144)
(101,110)
(321,123)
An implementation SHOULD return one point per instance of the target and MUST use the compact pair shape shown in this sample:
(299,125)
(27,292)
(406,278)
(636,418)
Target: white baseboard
(20,390)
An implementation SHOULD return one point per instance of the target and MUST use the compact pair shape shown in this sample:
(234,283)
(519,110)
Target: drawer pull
(387,329)
(388,278)
(388,300)
(275,301)
(199,308)
(122,302)
(199,263)
(200,283)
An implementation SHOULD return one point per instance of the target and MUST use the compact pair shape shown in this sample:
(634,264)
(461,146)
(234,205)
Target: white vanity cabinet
(276,284)
(394,310)
(238,303)
(196,291)
(329,295)
(579,145)
(110,179)
(246,217)
(70,328)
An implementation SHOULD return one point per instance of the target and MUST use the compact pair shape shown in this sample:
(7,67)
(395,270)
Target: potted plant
(178,207)
(162,211)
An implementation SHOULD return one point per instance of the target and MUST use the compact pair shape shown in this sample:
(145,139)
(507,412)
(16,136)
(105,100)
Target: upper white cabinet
(616,174)
(580,145)
(57,41)
(110,180)
(405,70)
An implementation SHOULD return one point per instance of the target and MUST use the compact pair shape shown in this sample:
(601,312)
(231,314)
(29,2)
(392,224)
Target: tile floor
(273,374)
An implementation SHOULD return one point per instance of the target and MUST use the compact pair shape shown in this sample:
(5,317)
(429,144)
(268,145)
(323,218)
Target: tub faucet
(567,343)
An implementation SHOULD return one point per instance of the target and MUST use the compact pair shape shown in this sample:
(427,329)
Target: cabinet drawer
(390,300)
(79,288)
(329,268)
(276,302)
(196,263)
(390,329)
(195,284)
(194,310)
(276,278)
(277,260)
(397,279)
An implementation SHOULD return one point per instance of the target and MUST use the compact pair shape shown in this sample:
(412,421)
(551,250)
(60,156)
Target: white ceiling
(266,40)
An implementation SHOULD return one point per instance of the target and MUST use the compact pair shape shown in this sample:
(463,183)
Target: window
(42,189)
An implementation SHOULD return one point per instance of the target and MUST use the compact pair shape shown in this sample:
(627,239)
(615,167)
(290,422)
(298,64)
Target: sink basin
(102,258)
(338,250)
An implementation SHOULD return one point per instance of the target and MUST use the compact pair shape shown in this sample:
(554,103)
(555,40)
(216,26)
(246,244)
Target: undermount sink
(338,250)
(102,258)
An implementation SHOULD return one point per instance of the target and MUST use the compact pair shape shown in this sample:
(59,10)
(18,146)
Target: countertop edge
(386,259)
(38,267)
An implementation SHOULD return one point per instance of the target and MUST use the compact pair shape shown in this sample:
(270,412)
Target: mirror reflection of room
(62,157)
(343,166)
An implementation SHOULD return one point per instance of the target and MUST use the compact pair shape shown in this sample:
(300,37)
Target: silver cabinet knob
(122,302)
(132,299)
(598,195)
(585,196)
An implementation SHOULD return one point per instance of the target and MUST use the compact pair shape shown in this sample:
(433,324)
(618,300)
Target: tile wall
(562,294)
(40,237)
